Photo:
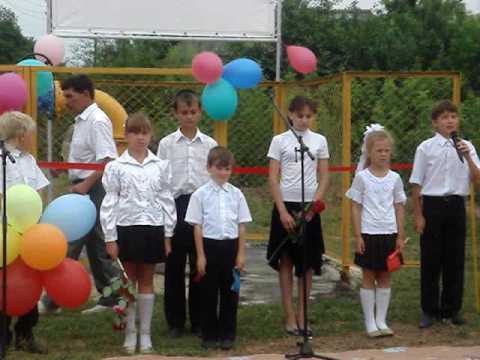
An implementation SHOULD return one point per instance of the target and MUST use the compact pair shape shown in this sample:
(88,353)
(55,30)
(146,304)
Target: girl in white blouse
(378,200)
(137,216)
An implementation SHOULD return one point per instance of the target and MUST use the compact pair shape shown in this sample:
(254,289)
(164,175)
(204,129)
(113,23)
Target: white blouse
(377,195)
(219,209)
(283,148)
(137,194)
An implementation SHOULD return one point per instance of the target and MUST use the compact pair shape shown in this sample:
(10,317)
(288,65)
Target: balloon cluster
(36,252)
(219,97)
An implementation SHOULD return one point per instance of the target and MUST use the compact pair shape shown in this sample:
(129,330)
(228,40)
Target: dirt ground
(444,342)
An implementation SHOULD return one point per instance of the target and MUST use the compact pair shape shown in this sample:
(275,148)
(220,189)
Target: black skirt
(141,244)
(377,249)
(277,247)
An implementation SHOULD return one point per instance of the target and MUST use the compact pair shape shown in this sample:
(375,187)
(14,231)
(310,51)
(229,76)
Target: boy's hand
(419,223)
(240,262)
(201,265)
(112,250)
(360,246)
(168,246)
(79,188)
(463,148)
(288,221)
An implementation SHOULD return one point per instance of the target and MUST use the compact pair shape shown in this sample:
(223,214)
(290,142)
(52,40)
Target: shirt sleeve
(168,202)
(244,215)
(162,149)
(275,151)
(40,179)
(194,210)
(419,166)
(108,213)
(322,152)
(103,139)
(474,155)
(357,189)
(399,196)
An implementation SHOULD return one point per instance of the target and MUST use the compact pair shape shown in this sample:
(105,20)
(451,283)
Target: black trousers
(183,247)
(23,327)
(219,321)
(442,247)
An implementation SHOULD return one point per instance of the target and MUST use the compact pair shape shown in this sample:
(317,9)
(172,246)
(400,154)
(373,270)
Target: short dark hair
(220,156)
(442,107)
(186,96)
(138,123)
(79,83)
(299,102)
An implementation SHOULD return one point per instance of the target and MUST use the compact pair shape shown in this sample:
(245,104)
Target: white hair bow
(363,157)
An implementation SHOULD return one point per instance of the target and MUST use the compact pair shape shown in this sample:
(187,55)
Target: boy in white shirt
(218,212)
(186,149)
(441,175)
(18,130)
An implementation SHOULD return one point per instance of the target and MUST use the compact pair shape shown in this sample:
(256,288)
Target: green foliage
(13,44)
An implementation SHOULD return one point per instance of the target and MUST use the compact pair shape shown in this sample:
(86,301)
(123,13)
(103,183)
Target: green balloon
(220,100)
(24,207)
(44,78)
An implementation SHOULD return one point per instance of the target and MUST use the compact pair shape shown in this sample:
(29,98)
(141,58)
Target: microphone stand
(5,154)
(305,347)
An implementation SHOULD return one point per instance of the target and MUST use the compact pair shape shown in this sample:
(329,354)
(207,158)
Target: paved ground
(399,353)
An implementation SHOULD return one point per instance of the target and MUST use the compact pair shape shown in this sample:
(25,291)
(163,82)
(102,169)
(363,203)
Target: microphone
(455,139)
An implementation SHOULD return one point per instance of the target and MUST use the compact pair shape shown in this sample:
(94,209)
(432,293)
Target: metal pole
(278,69)
(49,16)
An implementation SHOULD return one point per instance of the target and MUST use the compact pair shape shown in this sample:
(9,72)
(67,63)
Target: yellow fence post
(30,77)
(346,162)
(473,227)
(456,89)
(220,132)
(280,100)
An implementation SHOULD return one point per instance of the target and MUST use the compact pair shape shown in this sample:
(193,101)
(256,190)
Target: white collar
(179,135)
(87,111)
(126,158)
(225,187)
(442,140)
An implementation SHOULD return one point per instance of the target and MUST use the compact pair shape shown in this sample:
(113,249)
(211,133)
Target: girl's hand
(419,223)
(201,265)
(400,242)
(360,246)
(240,262)
(288,221)
(168,246)
(112,250)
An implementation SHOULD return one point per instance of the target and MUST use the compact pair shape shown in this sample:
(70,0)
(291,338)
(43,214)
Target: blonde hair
(373,137)
(138,123)
(14,124)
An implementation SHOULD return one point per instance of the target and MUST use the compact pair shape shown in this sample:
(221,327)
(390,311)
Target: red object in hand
(394,261)
(315,207)
(197,278)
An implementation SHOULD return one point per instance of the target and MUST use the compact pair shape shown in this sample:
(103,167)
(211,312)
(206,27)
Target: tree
(13,44)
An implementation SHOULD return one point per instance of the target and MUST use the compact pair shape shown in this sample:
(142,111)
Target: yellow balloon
(24,207)
(13,245)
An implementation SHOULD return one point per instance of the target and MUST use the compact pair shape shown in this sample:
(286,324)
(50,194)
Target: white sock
(367,298)
(145,307)
(382,301)
(131,328)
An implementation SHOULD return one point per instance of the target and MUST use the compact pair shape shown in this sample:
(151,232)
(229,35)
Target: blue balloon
(242,73)
(220,100)
(74,214)
(44,78)
(45,102)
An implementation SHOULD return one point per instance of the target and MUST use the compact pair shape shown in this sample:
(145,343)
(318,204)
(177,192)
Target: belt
(444,198)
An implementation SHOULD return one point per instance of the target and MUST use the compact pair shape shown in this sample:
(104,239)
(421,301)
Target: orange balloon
(43,247)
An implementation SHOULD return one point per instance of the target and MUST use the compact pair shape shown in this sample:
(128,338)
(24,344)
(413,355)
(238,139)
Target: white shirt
(377,195)
(92,140)
(219,209)
(188,159)
(282,149)
(439,171)
(24,171)
(137,194)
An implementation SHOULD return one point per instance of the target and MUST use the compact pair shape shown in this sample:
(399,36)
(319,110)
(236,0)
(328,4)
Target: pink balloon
(302,59)
(52,47)
(13,92)
(207,67)
(68,284)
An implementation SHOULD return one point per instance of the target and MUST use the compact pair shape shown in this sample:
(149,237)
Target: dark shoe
(302,332)
(227,344)
(426,321)
(196,330)
(30,345)
(209,344)
(175,333)
(457,319)
(292,331)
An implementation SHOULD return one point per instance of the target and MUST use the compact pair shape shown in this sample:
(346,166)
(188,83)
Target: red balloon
(24,287)
(68,284)
(207,67)
(302,59)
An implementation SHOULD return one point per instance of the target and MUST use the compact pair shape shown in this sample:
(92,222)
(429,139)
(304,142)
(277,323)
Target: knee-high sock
(145,307)
(131,328)
(382,300)
(367,298)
